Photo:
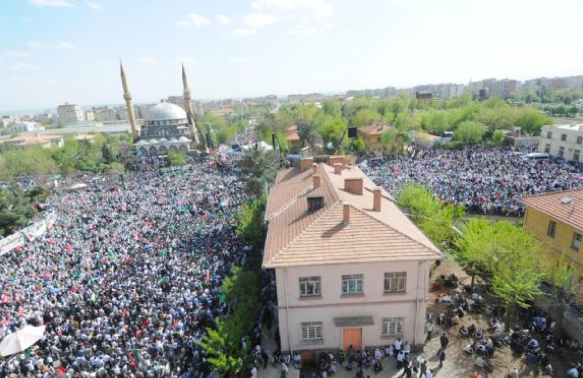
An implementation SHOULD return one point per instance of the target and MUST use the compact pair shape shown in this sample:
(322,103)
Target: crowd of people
(484,180)
(128,278)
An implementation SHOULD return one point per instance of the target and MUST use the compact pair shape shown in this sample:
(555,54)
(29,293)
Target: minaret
(189,112)
(128,97)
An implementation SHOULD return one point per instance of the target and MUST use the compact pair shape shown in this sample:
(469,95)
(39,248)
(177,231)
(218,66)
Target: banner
(11,242)
(29,233)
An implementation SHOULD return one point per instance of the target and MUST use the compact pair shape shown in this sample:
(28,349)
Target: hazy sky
(52,51)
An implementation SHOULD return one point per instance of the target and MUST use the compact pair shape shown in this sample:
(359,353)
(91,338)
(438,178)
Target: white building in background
(23,127)
(70,113)
(564,141)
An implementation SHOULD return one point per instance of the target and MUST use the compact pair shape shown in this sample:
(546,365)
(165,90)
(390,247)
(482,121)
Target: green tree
(16,211)
(470,132)
(176,158)
(498,138)
(309,134)
(250,221)
(260,168)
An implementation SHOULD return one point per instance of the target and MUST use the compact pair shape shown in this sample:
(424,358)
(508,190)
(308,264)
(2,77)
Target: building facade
(70,113)
(351,269)
(556,219)
(373,136)
(564,141)
(165,129)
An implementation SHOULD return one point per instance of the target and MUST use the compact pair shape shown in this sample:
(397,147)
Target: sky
(56,51)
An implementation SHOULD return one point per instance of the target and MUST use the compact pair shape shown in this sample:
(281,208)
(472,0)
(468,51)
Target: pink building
(350,267)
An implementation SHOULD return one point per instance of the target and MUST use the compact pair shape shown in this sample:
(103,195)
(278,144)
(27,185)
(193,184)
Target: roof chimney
(316,180)
(346,214)
(306,163)
(336,159)
(338,168)
(353,185)
(314,168)
(376,202)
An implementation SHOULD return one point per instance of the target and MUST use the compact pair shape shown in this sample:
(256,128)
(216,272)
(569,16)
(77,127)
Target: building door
(352,336)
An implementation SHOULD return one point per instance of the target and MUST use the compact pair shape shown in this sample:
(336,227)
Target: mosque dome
(165,111)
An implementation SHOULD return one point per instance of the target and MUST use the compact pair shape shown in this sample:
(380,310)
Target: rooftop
(291,134)
(565,206)
(298,237)
(377,128)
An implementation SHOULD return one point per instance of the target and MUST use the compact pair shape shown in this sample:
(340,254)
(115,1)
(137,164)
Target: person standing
(429,330)
(423,369)
(444,341)
(441,356)
(284,370)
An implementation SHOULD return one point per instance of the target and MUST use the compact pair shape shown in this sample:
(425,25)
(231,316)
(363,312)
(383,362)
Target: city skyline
(56,51)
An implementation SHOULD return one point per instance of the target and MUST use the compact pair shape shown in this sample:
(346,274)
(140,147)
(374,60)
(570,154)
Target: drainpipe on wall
(287,313)
(416,305)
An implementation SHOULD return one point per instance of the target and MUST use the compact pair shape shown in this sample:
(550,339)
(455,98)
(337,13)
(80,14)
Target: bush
(176,158)
(470,132)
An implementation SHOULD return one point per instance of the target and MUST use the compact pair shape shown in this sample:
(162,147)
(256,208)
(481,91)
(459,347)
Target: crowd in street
(484,180)
(128,278)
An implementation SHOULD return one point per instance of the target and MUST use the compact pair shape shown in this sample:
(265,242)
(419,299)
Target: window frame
(552,229)
(577,155)
(391,278)
(352,277)
(395,322)
(579,140)
(317,329)
(547,148)
(561,152)
(549,135)
(577,237)
(563,137)
(303,282)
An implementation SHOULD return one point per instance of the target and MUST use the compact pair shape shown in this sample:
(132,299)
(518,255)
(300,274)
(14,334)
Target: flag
(62,371)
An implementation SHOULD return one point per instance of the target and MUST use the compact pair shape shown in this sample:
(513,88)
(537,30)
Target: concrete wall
(333,304)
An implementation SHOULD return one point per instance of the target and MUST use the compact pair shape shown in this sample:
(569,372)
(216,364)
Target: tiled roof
(297,237)
(376,128)
(550,204)
(291,134)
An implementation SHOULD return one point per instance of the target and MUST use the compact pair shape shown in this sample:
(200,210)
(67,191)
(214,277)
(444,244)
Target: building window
(549,135)
(395,281)
(576,155)
(392,326)
(310,287)
(561,151)
(547,148)
(552,229)
(563,137)
(312,331)
(576,244)
(580,140)
(352,284)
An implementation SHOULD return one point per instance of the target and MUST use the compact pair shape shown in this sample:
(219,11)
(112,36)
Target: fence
(29,233)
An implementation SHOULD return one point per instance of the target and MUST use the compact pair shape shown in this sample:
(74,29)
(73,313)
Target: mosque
(167,127)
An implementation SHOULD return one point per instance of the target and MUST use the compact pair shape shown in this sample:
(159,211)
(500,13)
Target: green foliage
(176,158)
(16,210)
(433,217)
(470,132)
(222,345)
(498,138)
(307,130)
(260,169)
(250,221)
(517,262)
